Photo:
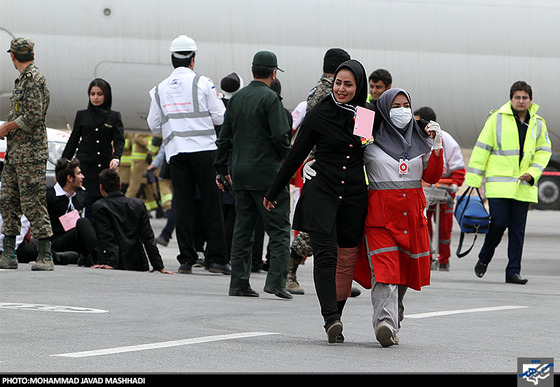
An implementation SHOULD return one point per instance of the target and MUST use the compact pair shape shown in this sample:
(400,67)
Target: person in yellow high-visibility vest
(139,144)
(163,182)
(126,160)
(511,172)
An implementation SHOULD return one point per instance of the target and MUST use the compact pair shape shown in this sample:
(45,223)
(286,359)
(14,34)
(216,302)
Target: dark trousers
(510,214)
(276,223)
(189,170)
(169,227)
(81,239)
(346,232)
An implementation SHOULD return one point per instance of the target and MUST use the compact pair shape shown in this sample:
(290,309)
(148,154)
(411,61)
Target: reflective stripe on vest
(397,248)
(197,113)
(383,185)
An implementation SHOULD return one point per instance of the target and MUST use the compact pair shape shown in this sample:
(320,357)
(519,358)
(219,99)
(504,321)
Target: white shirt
(184,109)
(298,114)
(452,156)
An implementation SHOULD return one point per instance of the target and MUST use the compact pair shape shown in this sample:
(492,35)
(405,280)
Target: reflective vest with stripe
(496,154)
(184,109)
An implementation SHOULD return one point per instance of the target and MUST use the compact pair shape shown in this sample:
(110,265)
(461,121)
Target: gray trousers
(387,302)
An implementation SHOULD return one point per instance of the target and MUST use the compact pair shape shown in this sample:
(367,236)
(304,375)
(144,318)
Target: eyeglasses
(521,97)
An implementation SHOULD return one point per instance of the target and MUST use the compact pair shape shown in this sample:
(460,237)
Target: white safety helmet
(182,43)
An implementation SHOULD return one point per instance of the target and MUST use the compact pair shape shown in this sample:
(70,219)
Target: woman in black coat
(97,139)
(332,205)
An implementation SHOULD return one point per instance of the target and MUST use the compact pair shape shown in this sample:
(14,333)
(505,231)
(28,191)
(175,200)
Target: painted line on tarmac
(49,308)
(164,344)
(460,311)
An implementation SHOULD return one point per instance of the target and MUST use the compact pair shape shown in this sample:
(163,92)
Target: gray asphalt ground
(77,320)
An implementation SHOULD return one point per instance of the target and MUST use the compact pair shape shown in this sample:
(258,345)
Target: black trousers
(507,214)
(347,232)
(81,239)
(189,170)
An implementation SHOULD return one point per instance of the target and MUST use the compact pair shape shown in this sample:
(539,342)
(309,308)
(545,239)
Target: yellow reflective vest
(495,156)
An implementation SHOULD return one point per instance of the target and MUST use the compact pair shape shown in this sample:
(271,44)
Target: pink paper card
(363,125)
(69,220)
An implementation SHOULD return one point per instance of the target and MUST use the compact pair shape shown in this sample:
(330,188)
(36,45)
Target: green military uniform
(23,177)
(256,132)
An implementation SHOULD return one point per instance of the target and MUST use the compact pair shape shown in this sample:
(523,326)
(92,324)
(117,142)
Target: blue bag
(472,218)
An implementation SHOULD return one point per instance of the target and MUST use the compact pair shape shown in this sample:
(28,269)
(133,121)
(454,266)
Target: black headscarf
(413,141)
(100,112)
(331,112)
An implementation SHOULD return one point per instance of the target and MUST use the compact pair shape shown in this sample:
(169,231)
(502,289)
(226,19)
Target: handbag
(472,218)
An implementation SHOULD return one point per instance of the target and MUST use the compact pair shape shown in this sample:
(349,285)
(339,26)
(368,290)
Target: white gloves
(308,172)
(438,139)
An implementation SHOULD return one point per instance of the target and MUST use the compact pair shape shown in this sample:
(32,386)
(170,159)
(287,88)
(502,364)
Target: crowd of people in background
(219,166)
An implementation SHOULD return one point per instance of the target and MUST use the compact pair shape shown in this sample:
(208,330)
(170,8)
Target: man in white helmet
(184,109)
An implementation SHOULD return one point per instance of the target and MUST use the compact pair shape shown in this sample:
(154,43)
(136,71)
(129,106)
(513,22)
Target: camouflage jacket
(29,104)
(320,91)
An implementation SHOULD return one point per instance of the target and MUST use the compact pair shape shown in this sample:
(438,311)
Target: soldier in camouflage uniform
(23,177)
(301,245)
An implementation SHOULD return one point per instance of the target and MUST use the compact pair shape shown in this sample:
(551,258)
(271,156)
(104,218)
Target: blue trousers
(507,214)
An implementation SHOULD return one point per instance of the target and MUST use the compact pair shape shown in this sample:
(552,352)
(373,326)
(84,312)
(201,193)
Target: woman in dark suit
(97,139)
(332,205)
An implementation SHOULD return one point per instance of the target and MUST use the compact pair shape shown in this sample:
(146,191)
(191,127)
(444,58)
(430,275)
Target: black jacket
(340,174)
(58,206)
(125,235)
(95,145)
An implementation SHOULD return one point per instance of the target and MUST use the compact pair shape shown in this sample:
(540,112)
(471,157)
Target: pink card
(363,125)
(69,220)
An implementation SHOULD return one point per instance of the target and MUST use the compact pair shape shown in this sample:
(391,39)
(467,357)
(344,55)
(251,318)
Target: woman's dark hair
(106,88)
(65,168)
(521,86)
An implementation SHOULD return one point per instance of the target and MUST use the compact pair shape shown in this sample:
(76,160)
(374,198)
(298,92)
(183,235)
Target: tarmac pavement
(77,320)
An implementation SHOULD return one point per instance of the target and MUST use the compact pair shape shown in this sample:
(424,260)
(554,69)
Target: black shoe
(480,269)
(243,292)
(217,268)
(333,329)
(516,279)
(65,257)
(339,338)
(185,268)
(279,292)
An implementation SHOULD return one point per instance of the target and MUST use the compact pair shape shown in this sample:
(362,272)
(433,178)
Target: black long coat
(339,187)
(95,145)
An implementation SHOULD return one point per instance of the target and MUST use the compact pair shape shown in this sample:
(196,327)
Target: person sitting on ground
(123,229)
(72,232)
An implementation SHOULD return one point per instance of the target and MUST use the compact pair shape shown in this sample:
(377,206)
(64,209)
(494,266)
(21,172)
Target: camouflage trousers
(301,245)
(24,193)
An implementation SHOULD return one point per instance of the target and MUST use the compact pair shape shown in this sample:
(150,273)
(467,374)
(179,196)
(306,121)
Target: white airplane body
(458,56)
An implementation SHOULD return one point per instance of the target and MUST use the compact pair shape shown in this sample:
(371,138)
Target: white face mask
(400,116)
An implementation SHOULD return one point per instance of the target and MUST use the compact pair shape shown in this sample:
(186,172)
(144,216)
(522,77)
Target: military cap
(21,46)
(266,58)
